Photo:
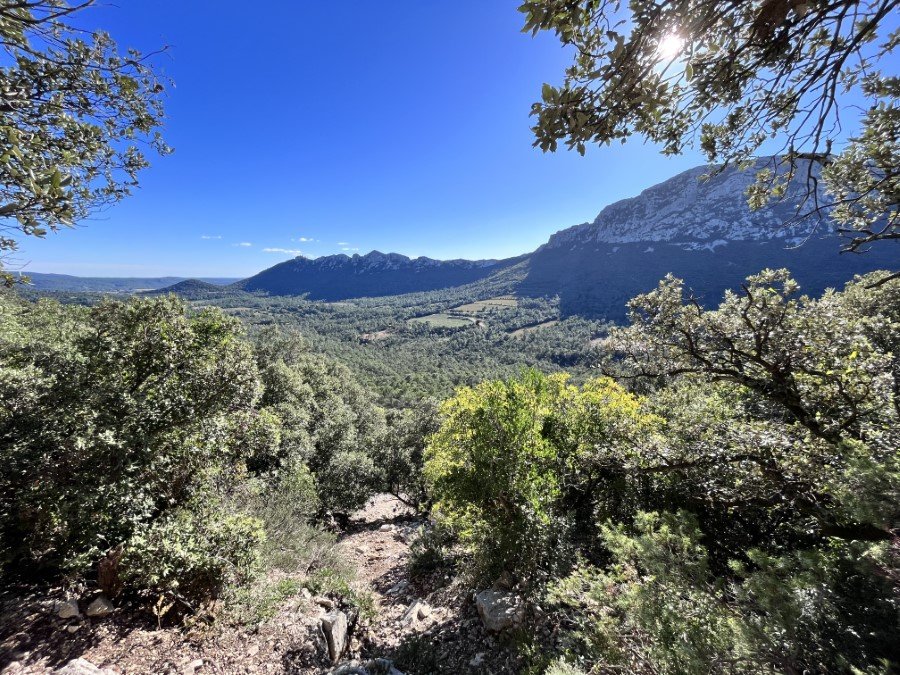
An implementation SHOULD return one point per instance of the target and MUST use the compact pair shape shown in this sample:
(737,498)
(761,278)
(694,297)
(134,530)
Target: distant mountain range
(338,277)
(698,229)
(65,282)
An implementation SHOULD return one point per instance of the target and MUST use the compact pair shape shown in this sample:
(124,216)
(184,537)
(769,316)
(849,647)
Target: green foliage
(657,608)
(253,605)
(338,580)
(193,553)
(430,549)
(506,465)
(781,440)
(741,517)
(563,668)
(400,457)
(399,363)
(328,422)
(286,506)
(814,415)
(145,439)
(730,78)
(111,419)
(77,118)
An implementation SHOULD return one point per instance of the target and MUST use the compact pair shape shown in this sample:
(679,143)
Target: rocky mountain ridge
(696,209)
(338,277)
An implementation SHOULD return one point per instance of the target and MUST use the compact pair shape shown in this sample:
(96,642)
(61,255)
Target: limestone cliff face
(697,210)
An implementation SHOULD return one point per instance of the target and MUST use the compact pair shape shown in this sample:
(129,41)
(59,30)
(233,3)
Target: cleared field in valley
(500,302)
(442,320)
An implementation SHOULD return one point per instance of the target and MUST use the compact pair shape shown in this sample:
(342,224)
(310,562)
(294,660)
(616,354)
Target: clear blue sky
(398,126)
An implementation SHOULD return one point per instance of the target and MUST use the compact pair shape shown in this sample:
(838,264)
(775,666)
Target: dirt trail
(424,625)
(378,540)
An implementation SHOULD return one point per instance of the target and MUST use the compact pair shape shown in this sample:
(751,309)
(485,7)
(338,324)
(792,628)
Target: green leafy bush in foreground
(159,448)
(740,517)
(114,424)
(514,461)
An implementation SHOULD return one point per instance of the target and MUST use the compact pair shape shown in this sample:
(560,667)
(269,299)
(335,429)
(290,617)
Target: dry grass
(442,320)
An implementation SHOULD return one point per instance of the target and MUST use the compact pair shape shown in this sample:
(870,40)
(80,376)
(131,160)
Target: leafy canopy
(117,421)
(513,458)
(164,451)
(739,517)
(76,119)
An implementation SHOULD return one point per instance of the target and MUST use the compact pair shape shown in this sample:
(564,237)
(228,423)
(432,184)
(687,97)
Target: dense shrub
(111,418)
(430,549)
(190,554)
(401,455)
(657,607)
(286,506)
(161,443)
(514,460)
(740,518)
(328,421)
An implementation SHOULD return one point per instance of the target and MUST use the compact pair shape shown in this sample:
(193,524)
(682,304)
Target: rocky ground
(427,624)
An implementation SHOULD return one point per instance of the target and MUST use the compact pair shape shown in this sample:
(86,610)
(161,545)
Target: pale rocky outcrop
(100,607)
(67,609)
(334,626)
(500,610)
(81,666)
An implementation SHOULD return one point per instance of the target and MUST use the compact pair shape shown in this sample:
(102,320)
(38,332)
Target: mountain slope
(700,231)
(338,277)
(190,289)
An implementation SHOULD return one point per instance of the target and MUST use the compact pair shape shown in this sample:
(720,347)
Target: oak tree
(78,118)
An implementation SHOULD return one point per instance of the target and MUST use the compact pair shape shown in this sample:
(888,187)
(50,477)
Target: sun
(670,46)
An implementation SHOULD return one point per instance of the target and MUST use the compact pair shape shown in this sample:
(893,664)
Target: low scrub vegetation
(729,504)
(165,455)
(723,499)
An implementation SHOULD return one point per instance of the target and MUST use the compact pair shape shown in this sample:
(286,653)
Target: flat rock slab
(500,610)
(100,607)
(82,667)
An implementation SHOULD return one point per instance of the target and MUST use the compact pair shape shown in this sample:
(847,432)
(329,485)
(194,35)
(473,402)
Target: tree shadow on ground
(32,633)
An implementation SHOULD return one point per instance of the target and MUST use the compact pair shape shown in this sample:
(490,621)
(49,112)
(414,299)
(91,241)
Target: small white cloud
(210,236)
(292,251)
(343,243)
(245,244)
(347,248)
(303,240)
